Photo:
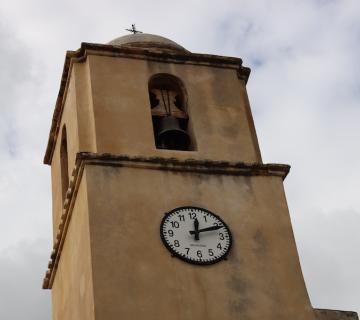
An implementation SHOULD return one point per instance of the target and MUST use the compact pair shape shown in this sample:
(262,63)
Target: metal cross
(133,29)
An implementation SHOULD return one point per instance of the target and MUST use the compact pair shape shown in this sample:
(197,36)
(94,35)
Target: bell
(171,136)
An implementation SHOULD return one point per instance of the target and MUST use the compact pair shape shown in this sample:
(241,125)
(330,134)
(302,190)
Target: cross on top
(133,29)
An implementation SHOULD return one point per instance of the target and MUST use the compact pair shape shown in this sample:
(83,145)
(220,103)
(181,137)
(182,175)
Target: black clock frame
(183,256)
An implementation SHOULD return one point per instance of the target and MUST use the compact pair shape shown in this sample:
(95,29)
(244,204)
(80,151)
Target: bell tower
(162,207)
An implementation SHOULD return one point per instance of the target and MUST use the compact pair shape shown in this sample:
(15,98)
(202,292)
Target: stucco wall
(72,291)
(136,278)
(84,107)
(216,107)
(107,109)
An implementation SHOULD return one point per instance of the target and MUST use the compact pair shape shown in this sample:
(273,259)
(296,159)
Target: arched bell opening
(168,102)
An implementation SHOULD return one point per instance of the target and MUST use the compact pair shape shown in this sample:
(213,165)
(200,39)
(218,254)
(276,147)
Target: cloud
(24,191)
(24,183)
(329,257)
(21,269)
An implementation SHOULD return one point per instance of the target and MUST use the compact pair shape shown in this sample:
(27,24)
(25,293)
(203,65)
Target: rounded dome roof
(146,40)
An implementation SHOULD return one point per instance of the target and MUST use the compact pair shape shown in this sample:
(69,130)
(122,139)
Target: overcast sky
(304,90)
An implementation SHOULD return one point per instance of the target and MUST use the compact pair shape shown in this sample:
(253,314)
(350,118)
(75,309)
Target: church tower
(162,207)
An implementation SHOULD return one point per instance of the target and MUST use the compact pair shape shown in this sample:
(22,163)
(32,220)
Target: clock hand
(196,227)
(207,229)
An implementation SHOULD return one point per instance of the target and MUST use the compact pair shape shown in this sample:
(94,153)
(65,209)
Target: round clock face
(195,235)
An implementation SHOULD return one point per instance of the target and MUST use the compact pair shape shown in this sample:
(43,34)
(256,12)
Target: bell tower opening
(64,164)
(168,102)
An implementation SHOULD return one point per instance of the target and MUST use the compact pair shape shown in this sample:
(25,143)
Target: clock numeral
(177,243)
(199,253)
(175,224)
(205,219)
(192,215)
(171,233)
(187,250)
(219,246)
(216,224)
(221,236)
(182,217)
(211,252)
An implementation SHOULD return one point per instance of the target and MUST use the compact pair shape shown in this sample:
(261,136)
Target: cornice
(129,52)
(327,314)
(190,165)
(153,163)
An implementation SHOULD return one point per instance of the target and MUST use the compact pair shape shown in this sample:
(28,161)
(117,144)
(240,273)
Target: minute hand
(207,229)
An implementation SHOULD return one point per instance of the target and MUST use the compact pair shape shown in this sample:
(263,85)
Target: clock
(195,235)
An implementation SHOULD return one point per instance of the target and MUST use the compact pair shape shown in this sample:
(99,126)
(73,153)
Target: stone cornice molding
(327,314)
(131,53)
(151,163)
(190,165)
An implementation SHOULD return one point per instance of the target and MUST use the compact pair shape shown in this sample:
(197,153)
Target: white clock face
(195,235)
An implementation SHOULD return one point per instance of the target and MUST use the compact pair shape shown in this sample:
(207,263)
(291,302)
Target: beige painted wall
(84,106)
(72,291)
(216,106)
(136,278)
(106,110)
(113,264)
(113,238)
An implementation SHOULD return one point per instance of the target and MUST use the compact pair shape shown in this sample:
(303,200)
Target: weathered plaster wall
(219,115)
(136,278)
(107,109)
(72,291)
(84,105)
(113,264)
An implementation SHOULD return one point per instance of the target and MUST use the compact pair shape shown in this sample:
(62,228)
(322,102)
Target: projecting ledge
(190,165)
(326,314)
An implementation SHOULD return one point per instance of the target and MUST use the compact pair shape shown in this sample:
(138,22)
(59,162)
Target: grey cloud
(21,270)
(328,247)
(20,121)
(13,73)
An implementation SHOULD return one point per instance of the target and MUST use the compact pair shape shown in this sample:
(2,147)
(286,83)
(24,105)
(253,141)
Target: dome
(146,40)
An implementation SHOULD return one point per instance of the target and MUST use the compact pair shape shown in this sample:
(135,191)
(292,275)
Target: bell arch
(169,111)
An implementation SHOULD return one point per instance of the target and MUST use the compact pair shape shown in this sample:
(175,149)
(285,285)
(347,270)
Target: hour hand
(196,231)
(207,229)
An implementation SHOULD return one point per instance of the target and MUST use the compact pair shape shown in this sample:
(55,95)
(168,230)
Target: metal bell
(171,136)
